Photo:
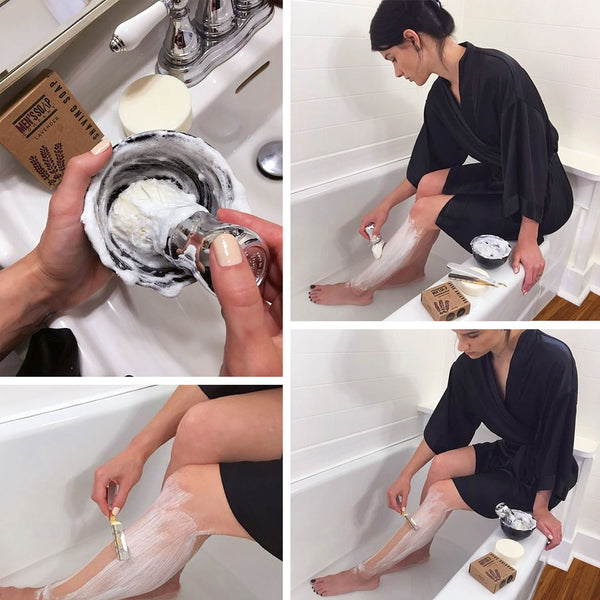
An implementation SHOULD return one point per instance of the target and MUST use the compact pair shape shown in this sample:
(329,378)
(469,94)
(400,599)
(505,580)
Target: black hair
(394,17)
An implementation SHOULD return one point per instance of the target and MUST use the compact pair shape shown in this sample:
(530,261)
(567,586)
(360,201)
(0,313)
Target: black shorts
(254,493)
(254,490)
(477,208)
(496,479)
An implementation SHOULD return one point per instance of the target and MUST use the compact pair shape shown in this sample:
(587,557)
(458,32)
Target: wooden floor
(561,310)
(581,582)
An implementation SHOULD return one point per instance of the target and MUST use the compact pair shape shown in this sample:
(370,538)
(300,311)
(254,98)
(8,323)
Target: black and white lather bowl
(191,164)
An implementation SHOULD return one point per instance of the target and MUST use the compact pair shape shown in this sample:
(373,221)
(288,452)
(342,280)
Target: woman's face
(477,342)
(407,62)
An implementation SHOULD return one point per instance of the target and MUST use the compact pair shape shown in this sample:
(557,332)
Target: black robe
(501,122)
(536,421)
(253,488)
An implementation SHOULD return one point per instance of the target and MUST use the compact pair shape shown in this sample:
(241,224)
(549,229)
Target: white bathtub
(50,527)
(326,248)
(340,517)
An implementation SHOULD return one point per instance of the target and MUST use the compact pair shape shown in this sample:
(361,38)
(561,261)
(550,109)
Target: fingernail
(312,580)
(227,250)
(101,146)
(312,287)
(115,511)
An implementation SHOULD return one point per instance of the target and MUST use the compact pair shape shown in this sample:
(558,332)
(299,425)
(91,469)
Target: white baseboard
(585,547)
(576,286)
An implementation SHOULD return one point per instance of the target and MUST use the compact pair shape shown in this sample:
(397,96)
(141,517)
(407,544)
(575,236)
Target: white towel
(63,10)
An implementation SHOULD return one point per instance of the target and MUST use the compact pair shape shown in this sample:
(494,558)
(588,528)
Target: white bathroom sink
(133,330)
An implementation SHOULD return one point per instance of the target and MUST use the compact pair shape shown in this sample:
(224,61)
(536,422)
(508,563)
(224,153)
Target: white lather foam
(429,517)
(144,213)
(396,254)
(160,543)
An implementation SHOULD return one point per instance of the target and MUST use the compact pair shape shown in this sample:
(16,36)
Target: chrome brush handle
(188,246)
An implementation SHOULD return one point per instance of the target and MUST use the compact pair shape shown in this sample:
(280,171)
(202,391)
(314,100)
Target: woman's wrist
(142,446)
(528,233)
(542,500)
(27,300)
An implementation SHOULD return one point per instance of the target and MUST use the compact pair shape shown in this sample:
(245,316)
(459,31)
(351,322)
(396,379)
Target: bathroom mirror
(31,30)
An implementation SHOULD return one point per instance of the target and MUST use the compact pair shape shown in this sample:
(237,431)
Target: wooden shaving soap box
(46,126)
(445,303)
(492,572)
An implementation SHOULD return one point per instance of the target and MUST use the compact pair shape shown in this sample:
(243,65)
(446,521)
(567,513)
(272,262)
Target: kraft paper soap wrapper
(492,572)
(445,303)
(45,126)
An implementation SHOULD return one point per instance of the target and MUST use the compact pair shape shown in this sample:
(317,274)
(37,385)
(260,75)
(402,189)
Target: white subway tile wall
(354,392)
(558,43)
(349,113)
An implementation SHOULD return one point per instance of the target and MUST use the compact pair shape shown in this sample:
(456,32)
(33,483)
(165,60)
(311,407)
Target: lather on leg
(403,260)
(440,501)
(191,507)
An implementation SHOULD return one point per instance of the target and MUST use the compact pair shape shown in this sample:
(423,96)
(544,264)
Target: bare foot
(13,593)
(416,558)
(343,582)
(339,293)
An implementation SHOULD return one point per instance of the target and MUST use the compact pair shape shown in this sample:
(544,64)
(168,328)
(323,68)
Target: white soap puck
(474,289)
(509,551)
(156,102)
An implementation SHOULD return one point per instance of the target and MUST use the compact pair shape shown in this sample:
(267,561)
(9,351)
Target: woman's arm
(25,302)
(164,425)
(63,270)
(379,215)
(399,490)
(547,523)
(125,469)
(528,253)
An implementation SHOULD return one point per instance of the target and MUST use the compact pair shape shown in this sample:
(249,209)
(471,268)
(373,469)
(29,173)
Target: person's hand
(253,320)
(528,254)
(66,261)
(378,216)
(124,470)
(549,525)
(398,492)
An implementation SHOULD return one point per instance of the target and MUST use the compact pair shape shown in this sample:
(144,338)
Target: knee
(421,214)
(431,184)
(439,468)
(443,492)
(199,425)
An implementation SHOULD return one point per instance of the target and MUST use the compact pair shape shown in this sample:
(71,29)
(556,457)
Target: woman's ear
(413,37)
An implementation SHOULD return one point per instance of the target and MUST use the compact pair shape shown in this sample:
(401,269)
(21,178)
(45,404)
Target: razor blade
(410,520)
(377,242)
(119,538)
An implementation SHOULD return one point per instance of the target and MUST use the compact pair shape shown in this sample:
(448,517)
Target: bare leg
(230,429)
(454,463)
(441,499)
(191,507)
(404,255)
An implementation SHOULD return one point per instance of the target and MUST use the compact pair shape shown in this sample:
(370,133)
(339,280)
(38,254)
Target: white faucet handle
(130,33)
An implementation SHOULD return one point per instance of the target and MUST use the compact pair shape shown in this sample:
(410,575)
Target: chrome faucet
(193,48)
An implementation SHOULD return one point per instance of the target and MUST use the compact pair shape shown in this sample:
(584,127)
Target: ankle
(358,292)
(361,573)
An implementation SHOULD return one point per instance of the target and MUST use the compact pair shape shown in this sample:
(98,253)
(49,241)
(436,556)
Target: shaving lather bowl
(490,251)
(516,524)
(195,168)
